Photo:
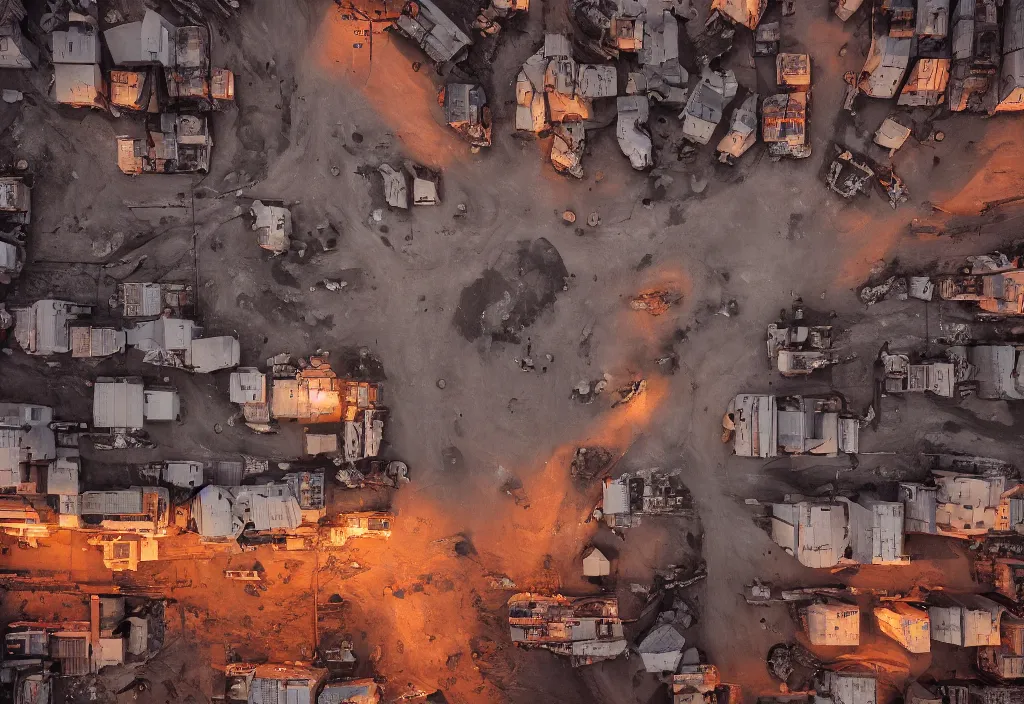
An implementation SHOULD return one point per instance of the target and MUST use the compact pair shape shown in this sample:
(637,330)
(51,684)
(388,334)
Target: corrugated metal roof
(126,501)
(118,403)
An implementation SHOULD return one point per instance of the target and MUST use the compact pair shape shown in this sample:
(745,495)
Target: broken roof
(706,104)
(633,137)
(42,328)
(745,12)
(225,512)
(466,111)
(273,226)
(742,132)
(908,625)
(145,42)
(662,649)
(885,65)
(926,85)
(428,26)
(966,620)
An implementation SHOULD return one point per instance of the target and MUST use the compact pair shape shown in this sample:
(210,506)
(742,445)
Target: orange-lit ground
(421,615)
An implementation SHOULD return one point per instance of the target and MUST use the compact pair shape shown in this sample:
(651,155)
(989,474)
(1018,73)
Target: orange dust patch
(352,55)
(1000,176)
(558,510)
(829,34)
(863,242)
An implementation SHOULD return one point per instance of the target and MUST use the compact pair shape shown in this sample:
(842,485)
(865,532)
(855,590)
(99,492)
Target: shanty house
(355,691)
(769,426)
(959,505)
(271,683)
(966,620)
(26,440)
(587,629)
(1011,78)
(824,534)
(79,85)
(43,327)
(662,649)
(140,43)
(997,293)
(846,688)
(706,104)
(15,50)
(815,533)
(466,111)
(908,625)
(369,524)
(876,532)
(595,564)
(996,369)
(15,200)
(124,404)
(141,510)
(438,36)
(273,226)
(175,143)
(1006,660)
(78,80)
(832,624)
(150,300)
(221,513)
(317,395)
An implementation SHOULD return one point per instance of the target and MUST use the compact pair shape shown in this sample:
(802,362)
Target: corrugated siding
(128,501)
(117,404)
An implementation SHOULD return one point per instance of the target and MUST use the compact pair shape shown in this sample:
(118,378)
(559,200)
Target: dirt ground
(426,296)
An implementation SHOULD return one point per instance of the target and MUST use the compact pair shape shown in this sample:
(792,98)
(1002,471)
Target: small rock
(594,220)
(462,207)
(12,96)
(569,217)
(335,171)
(939,135)
(74,175)
(691,656)
(842,50)
(441,383)
(599,176)
(218,428)
(416,66)
(698,183)
(377,215)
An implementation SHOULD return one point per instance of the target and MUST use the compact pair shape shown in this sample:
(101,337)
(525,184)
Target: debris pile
(784,115)
(555,93)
